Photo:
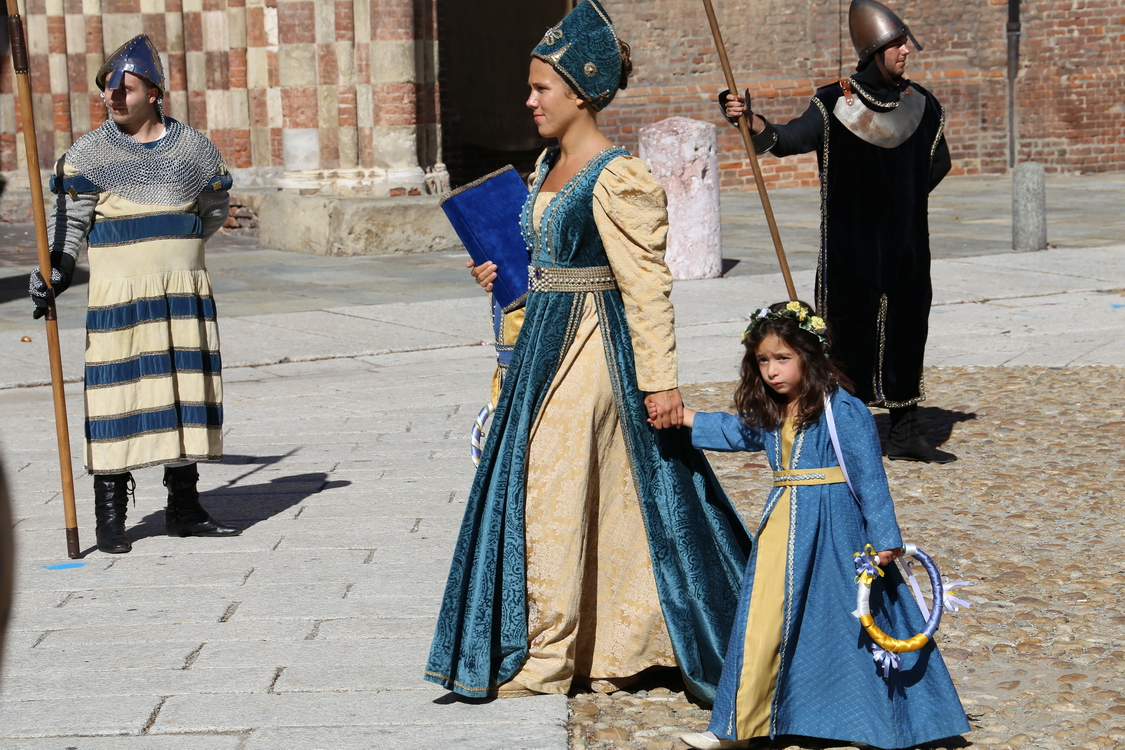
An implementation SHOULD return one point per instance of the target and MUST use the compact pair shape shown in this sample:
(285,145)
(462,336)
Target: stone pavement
(350,387)
(1030,516)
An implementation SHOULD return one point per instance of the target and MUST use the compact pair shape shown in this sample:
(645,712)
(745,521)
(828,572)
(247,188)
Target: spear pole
(62,432)
(744,128)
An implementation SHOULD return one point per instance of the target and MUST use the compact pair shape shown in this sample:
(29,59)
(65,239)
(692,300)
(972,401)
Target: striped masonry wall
(338,94)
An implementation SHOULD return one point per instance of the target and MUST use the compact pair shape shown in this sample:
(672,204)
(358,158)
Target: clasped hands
(665,409)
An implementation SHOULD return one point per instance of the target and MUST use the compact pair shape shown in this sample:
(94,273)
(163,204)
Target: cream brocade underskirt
(762,643)
(593,609)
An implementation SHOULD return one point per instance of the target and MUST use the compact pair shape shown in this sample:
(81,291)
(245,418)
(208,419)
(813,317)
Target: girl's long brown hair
(760,406)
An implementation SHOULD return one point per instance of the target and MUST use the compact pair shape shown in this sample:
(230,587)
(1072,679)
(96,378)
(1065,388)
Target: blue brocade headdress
(583,49)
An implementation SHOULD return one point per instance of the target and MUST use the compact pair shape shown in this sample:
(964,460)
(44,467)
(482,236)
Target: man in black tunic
(880,144)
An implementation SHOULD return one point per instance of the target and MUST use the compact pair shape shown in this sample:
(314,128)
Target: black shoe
(184,516)
(111,498)
(905,441)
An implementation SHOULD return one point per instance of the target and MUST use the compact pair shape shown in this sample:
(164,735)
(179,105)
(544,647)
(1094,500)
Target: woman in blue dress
(593,547)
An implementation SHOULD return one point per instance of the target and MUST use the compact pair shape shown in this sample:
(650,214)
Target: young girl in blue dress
(798,661)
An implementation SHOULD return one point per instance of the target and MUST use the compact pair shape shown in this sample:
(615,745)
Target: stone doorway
(484,52)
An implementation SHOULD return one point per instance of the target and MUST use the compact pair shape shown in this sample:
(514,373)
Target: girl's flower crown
(794,310)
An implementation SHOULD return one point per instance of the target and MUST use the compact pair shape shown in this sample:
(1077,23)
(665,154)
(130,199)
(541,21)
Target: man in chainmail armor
(144,192)
(880,143)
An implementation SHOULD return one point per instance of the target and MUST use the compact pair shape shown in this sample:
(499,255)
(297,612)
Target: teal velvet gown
(697,542)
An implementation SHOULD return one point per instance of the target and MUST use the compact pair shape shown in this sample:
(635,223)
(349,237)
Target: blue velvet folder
(486,216)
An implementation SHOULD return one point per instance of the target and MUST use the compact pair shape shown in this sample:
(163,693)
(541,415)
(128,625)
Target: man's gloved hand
(62,271)
(734,106)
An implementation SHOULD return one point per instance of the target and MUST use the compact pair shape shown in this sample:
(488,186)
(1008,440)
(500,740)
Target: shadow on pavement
(936,423)
(243,505)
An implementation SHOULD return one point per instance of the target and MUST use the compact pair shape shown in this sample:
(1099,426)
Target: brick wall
(347,90)
(1071,87)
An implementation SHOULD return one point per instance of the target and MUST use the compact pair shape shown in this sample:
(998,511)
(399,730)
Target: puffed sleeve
(719,431)
(631,213)
(859,442)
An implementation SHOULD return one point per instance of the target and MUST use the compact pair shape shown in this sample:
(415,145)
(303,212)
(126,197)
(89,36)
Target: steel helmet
(137,56)
(872,25)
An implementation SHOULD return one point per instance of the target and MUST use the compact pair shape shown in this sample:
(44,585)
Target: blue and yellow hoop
(885,649)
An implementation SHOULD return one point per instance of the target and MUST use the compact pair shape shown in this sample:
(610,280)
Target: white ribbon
(952,603)
(908,572)
(888,660)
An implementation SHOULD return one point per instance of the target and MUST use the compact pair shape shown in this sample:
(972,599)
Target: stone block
(1029,207)
(61,683)
(297,64)
(144,742)
(94,715)
(392,61)
(382,227)
(325,225)
(301,148)
(294,222)
(542,736)
(387,709)
(395,147)
(684,157)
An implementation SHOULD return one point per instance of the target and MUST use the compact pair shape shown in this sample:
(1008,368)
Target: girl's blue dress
(828,685)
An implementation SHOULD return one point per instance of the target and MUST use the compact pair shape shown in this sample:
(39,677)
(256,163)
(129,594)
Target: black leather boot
(184,516)
(905,441)
(111,498)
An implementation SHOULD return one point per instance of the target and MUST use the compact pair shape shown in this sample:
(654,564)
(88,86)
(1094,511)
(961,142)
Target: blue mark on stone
(1117,307)
(65,566)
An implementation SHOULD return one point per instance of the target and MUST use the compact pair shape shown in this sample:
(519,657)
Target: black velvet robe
(873,276)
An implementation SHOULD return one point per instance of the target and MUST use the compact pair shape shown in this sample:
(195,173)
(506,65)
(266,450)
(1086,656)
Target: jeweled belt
(551,279)
(829,475)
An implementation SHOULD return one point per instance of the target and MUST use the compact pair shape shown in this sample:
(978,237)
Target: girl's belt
(552,279)
(829,475)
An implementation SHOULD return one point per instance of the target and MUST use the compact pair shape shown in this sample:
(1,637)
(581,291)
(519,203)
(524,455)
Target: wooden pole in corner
(744,128)
(35,178)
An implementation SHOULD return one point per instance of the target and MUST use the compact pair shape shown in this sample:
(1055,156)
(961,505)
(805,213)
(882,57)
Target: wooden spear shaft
(744,128)
(23,83)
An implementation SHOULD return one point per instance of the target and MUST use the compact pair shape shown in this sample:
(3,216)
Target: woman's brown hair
(760,406)
(626,63)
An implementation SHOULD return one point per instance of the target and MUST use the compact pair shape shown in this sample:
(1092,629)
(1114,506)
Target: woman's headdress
(583,49)
(793,310)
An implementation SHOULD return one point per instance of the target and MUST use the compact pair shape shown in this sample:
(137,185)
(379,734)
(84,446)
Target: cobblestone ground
(1031,515)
